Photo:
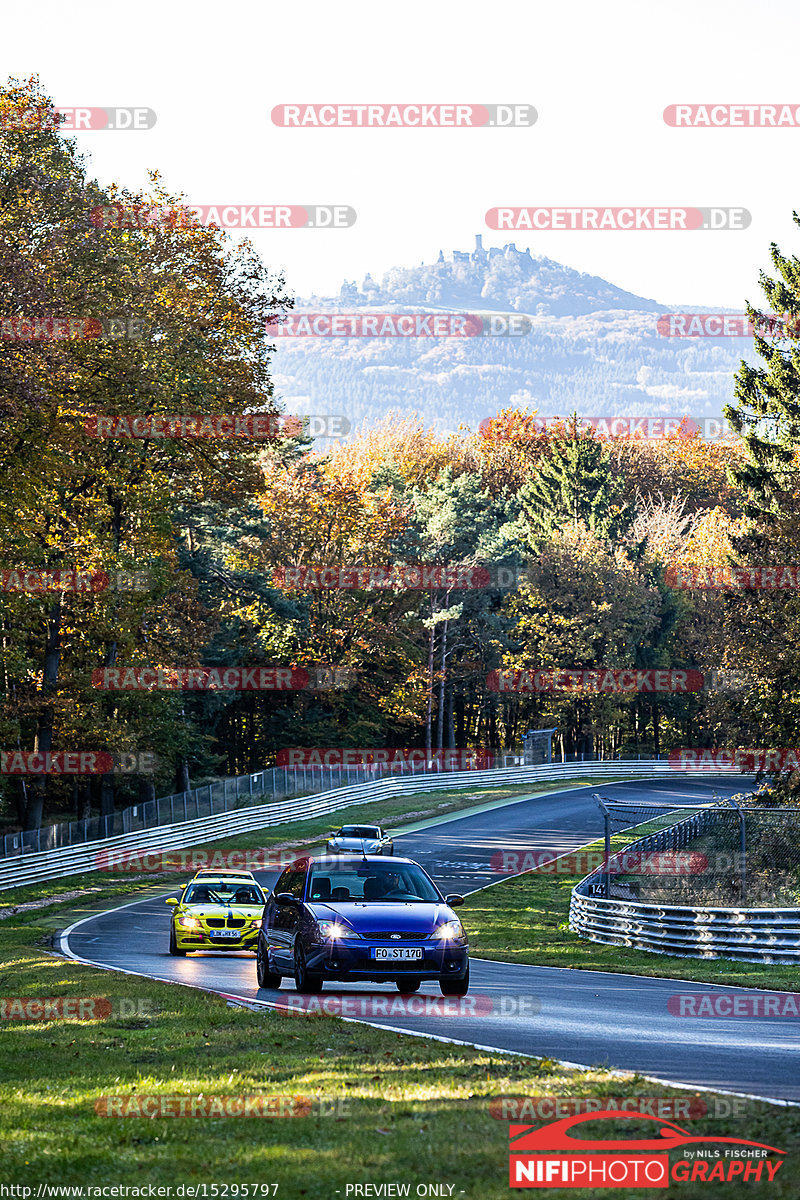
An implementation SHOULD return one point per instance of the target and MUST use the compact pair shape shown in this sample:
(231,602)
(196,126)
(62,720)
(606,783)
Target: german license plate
(225,933)
(396,953)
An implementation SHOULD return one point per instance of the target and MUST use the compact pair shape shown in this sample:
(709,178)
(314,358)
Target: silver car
(360,839)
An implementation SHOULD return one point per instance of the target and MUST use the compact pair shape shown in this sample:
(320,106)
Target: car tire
(174,949)
(407,986)
(304,980)
(455,987)
(265,977)
(390,850)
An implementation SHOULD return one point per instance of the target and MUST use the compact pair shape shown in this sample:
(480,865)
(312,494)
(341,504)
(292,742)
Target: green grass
(524,919)
(415,1111)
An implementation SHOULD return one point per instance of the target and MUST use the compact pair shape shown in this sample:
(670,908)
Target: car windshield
(387,882)
(230,892)
(360,831)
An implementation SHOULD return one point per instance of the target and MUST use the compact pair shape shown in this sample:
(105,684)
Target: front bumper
(203,939)
(352,960)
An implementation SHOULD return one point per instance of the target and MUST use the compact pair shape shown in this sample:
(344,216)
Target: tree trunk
(147,789)
(429,715)
(656,740)
(441,714)
(44,734)
(107,794)
(460,721)
(182,783)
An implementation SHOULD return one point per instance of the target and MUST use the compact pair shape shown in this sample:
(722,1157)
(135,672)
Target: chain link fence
(730,853)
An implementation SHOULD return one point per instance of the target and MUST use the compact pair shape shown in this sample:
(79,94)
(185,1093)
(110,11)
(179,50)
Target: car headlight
(189,922)
(335,931)
(449,931)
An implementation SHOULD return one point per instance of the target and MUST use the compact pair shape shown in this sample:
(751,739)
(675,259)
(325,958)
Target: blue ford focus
(361,917)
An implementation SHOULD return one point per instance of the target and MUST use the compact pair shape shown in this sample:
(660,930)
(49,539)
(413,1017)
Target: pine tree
(767,410)
(575,486)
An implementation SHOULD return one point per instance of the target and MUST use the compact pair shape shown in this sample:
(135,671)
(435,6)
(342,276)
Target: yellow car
(216,914)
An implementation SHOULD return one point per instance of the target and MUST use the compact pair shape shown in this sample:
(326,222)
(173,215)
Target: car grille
(225,923)
(392,935)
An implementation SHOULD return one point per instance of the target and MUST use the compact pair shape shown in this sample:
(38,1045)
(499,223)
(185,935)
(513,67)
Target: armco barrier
(770,935)
(753,934)
(29,867)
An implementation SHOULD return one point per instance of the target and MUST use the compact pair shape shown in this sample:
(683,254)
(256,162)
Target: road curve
(586,1017)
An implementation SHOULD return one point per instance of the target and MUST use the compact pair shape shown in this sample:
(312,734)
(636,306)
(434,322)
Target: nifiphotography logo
(549,1157)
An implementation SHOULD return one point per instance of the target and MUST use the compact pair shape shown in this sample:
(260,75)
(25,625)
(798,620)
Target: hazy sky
(599,75)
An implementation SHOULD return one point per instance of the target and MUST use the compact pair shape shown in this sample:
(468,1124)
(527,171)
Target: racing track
(586,1017)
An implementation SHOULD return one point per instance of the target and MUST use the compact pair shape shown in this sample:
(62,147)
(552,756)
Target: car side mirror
(286,900)
(172,901)
(454,899)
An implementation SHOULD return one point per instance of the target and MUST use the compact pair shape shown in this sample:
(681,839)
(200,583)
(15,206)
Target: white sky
(599,74)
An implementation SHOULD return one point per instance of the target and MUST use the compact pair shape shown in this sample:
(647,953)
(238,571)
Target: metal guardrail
(32,867)
(753,934)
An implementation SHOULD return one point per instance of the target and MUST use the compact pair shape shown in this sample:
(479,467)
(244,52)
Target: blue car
(361,917)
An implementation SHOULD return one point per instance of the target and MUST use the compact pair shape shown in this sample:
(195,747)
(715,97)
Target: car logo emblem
(396,936)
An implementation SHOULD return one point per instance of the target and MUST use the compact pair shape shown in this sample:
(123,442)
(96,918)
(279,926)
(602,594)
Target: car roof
(325,859)
(225,874)
(223,879)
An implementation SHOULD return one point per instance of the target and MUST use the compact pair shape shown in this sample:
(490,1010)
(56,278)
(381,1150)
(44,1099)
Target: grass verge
(403,1109)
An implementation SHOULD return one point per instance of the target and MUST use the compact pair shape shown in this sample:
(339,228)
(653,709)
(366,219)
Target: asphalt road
(586,1017)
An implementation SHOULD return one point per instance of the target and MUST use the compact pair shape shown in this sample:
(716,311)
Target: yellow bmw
(216,914)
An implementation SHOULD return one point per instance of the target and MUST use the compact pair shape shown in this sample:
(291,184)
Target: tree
(73,500)
(767,409)
(575,486)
